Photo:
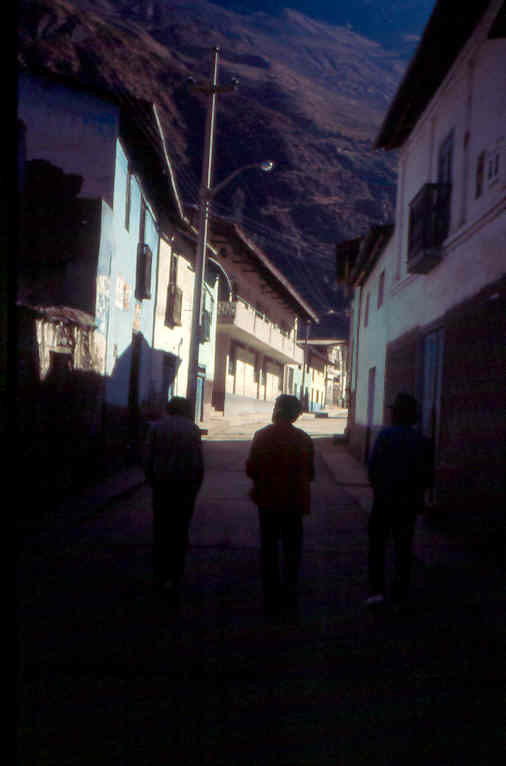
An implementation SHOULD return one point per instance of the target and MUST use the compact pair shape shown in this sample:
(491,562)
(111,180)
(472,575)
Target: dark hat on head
(405,408)
(288,407)
(178,405)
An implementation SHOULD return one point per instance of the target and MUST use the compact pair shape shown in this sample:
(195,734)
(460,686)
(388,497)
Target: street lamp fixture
(210,193)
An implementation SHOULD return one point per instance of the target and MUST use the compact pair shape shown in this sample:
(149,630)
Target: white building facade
(430,292)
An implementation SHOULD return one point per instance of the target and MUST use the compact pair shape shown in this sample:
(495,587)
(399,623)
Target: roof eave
(372,247)
(433,59)
(294,295)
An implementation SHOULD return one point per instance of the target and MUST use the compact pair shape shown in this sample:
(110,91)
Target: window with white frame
(128,198)
(480,175)
(493,163)
(445,159)
(381,289)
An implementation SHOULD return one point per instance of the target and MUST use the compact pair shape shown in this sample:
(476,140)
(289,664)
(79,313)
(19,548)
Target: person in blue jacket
(400,469)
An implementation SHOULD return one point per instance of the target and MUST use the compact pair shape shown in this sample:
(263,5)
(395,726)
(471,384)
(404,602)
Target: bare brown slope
(312,98)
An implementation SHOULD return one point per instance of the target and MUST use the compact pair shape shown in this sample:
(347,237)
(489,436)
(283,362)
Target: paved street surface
(111,673)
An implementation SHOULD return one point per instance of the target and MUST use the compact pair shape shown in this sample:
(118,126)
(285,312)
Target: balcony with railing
(245,323)
(429,224)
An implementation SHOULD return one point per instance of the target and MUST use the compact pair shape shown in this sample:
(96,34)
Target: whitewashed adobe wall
(175,339)
(373,339)
(471,102)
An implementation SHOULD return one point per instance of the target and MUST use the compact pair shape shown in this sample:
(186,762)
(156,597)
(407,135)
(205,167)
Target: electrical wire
(267,231)
(282,244)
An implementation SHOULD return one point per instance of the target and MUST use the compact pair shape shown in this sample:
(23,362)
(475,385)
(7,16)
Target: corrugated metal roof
(65,314)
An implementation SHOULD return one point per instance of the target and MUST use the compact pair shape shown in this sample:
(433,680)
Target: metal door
(433,348)
(199,397)
(371,387)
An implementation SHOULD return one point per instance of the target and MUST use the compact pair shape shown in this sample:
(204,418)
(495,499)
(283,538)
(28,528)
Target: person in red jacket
(281,464)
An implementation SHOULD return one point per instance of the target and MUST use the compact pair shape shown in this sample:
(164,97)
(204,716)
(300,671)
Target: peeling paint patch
(99,351)
(123,294)
(137,317)
(102,303)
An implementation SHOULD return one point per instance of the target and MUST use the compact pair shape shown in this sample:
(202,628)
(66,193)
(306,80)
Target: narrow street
(111,673)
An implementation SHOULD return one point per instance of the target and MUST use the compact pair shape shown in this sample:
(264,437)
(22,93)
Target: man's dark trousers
(277,528)
(173,504)
(398,518)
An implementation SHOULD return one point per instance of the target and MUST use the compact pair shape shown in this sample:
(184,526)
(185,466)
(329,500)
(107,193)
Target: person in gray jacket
(174,466)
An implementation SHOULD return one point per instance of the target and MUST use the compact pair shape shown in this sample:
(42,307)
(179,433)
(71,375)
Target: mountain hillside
(397,24)
(311,97)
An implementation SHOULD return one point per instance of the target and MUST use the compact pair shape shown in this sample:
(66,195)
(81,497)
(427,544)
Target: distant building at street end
(331,392)
(429,292)
(257,354)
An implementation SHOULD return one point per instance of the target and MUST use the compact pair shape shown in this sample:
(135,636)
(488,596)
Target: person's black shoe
(402,608)
(272,608)
(377,599)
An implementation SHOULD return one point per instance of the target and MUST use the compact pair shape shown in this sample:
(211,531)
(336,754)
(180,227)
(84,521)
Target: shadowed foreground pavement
(111,673)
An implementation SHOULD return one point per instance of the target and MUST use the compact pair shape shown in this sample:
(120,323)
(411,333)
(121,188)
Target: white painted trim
(464,233)
(404,282)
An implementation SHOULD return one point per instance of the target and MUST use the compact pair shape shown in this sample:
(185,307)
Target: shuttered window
(231,360)
(144,265)
(173,311)
(381,289)
(205,329)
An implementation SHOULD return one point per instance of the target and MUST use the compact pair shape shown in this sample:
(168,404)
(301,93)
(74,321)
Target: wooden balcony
(244,323)
(429,224)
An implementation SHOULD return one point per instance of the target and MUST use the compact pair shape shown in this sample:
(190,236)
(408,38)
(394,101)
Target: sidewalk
(434,547)
(431,546)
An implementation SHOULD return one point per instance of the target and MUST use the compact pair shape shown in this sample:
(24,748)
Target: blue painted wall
(127,313)
(79,133)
